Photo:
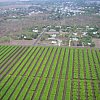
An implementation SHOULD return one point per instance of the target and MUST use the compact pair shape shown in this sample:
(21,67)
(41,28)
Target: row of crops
(49,73)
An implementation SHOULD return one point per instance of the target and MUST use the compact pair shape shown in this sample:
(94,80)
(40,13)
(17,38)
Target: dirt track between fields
(19,42)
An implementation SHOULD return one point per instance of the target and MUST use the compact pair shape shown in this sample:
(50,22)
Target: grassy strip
(22,62)
(24,91)
(46,90)
(37,94)
(48,81)
(70,64)
(63,75)
(60,92)
(10,81)
(60,64)
(36,73)
(92,65)
(55,81)
(96,63)
(90,95)
(36,89)
(59,70)
(75,90)
(98,55)
(86,65)
(29,66)
(66,68)
(68,89)
(6,54)
(13,68)
(38,64)
(13,63)
(49,63)
(20,83)
(3,49)
(10,56)
(44,63)
(54,64)
(82,90)
(81,64)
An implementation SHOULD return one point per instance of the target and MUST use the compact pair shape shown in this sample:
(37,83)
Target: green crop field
(49,73)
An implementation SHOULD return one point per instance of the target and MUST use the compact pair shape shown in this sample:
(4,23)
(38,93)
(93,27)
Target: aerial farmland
(49,49)
(49,73)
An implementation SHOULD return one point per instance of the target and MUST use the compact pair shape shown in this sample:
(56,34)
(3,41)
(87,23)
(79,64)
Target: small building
(91,28)
(74,33)
(59,42)
(87,26)
(75,39)
(95,33)
(51,38)
(54,42)
(52,30)
(25,37)
(89,44)
(36,31)
(53,35)
(84,33)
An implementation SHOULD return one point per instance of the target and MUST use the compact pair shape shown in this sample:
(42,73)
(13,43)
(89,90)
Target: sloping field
(49,73)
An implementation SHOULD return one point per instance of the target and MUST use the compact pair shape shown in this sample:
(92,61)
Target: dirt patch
(97,43)
(19,42)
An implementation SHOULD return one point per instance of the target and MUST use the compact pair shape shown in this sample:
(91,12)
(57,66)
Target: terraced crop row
(49,73)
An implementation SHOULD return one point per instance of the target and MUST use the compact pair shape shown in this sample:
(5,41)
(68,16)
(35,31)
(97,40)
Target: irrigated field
(49,73)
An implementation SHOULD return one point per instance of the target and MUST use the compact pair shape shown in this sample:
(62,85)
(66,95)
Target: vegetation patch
(54,73)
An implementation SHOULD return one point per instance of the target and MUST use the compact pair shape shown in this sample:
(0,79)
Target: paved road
(38,38)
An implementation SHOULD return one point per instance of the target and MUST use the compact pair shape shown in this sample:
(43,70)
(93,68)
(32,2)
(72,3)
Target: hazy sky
(7,0)
(12,0)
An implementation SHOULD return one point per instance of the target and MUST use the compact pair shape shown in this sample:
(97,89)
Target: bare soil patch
(19,42)
(97,42)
